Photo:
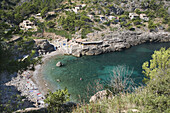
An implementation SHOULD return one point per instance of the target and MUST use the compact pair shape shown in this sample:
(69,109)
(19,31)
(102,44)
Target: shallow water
(77,73)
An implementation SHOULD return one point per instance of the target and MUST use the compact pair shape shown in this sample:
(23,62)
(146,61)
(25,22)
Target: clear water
(91,68)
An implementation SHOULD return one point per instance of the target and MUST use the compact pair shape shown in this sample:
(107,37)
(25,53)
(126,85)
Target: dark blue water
(92,68)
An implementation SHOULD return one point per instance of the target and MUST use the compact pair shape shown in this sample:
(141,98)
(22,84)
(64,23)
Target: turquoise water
(78,73)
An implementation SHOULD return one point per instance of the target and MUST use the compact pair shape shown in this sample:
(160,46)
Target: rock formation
(116,41)
(43,46)
(59,64)
(101,95)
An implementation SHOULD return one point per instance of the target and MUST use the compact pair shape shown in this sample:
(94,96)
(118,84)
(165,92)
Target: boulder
(98,51)
(119,46)
(90,52)
(77,54)
(101,95)
(59,64)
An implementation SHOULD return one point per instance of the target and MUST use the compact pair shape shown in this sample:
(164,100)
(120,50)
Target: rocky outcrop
(117,41)
(116,10)
(59,64)
(101,95)
(43,46)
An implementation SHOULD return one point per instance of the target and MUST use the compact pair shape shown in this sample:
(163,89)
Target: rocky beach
(29,84)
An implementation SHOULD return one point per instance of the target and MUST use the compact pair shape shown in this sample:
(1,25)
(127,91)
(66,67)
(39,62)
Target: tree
(160,63)
(18,18)
(69,1)
(44,11)
(120,80)
(50,24)
(138,11)
(57,99)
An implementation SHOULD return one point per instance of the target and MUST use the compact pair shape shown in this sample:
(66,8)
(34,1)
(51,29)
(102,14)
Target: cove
(78,73)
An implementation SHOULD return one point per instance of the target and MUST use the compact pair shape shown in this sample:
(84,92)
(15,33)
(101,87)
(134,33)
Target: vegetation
(159,64)
(56,100)
(154,97)
(120,80)
(73,22)
(15,13)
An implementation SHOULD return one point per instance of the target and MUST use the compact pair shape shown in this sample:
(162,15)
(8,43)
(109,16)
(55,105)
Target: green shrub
(151,25)
(56,100)
(131,28)
(158,64)
(113,29)
(137,22)
(50,24)
(97,20)
(95,28)
(102,27)
(138,26)
(85,31)
(107,23)
(137,11)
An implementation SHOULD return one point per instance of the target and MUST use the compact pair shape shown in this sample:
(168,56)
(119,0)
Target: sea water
(80,75)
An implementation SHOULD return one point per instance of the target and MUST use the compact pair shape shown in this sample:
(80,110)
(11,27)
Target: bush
(102,27)
(85,31)
(107,23)
(95,28)
(137,22)
(97,20)
(158,64)
(137,11)
(138,26)
(151,25)
(56,100)
(120,80)
(131,28)
(50,24)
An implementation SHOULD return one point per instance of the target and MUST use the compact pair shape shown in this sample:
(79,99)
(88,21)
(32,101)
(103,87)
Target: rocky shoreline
(117,41)
(28,84)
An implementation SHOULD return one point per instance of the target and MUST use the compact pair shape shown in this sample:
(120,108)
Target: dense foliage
(159,64)
(56,100)
(16,12)
(74,22)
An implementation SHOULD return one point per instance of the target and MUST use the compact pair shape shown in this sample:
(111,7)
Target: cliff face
(116,41)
